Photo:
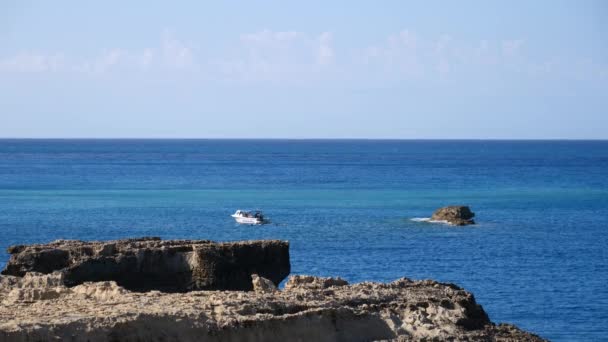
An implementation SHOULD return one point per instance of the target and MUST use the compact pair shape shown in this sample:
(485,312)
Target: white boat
(249,217)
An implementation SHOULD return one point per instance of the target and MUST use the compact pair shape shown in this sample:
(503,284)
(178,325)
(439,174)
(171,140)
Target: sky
(305,69)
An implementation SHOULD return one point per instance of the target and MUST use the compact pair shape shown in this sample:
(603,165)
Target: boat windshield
(243,213)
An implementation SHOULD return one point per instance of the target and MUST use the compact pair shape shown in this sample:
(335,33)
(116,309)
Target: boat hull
(247,220)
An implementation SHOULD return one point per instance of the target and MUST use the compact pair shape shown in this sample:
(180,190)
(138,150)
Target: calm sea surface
(538,257)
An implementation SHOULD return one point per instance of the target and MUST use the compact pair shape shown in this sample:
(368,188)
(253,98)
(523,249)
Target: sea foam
(428,219)
(421,219)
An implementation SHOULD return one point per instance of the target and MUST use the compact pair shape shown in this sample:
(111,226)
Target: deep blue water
(538,257)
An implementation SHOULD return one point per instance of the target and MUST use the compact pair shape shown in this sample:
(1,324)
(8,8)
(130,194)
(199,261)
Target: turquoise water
(537,257)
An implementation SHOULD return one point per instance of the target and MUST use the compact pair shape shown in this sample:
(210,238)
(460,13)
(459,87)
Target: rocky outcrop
(262,285)
(109,291)
(152,264)
(403,310)
(311,282)
(458,215)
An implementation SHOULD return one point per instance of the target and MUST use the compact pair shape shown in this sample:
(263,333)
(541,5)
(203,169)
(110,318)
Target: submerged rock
(403,310)
(152,264)
(458,215)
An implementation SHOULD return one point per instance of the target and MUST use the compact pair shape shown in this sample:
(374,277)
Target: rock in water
(404,310)
(152,264)
(458,215)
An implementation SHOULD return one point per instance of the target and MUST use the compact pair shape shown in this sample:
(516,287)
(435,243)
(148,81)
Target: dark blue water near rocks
(537,258)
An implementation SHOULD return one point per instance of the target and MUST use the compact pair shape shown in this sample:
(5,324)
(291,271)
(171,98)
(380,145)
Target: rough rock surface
(262,285)
(458,215)
(152,264)
(403,310)
(62,291)
(311,282)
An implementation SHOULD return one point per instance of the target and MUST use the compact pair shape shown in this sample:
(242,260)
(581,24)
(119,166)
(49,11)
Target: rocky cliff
(50,306)
(152,264)
(39,308)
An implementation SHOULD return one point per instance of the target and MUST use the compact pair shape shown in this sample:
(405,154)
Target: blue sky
(308,69)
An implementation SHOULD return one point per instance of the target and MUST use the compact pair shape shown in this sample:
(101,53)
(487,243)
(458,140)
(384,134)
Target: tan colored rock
(102,291)
(153,264)
(31,287)
(312,282)
(403,310)
(458,215)
(52,306)
(262,285)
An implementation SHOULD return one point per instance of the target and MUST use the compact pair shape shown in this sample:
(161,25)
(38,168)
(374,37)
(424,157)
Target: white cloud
(404,39)
(270,37)
(171,53)
(147,58)
(406,54)
(31,63)
(512,48)
(400,53)
(325,52)
(107,60)
(176,53)
(114,59)
(293,56)
(278,56)
(484,54)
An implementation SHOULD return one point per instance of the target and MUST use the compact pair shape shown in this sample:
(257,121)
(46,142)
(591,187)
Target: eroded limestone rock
(77,291)
(152,264)
(312,282)
(403,310)
(458,215)
(262,285)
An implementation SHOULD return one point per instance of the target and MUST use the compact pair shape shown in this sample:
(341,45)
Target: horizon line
(306,139)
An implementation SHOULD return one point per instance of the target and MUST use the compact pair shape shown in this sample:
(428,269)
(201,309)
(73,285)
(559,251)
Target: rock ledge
(153,264)
(38,307)
(94,291)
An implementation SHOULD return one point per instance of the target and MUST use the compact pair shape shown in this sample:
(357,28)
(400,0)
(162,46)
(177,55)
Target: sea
(537,257)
